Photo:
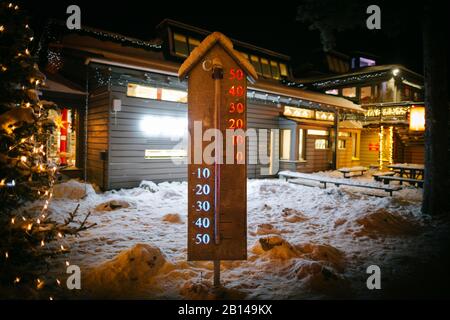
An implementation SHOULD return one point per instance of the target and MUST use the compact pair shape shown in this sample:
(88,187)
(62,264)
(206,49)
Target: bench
(387,179)
(347,171)
(337,182)
(378,176)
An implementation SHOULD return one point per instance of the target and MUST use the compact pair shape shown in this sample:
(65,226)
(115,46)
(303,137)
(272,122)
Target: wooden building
(132,108)
(389,94)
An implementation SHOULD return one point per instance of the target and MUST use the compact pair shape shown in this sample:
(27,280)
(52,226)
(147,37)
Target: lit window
(265,67)
(138,91)
(349,92)
(364,62)
(193,43)
(173,95)
(301,145)
(275,70)
(147,92)
(285,144)
(366,94)
(332,91)
(313,132)
(165,153)
(180,44)
(321,144)
(256,64)
(283,70)
(344,134)
(341,143)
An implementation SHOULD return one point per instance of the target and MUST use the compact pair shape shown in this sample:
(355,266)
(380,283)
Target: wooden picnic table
(286,175)
(347,171)
(408,170)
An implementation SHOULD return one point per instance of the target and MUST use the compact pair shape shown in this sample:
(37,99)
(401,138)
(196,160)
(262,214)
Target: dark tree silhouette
(331,17)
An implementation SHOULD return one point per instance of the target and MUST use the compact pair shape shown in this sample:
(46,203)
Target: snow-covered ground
(303,242)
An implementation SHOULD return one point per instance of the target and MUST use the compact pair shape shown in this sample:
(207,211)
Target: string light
(2,28)
(58,282)
(67,263)
(13,220)
(42,243)
(6,255)
(40,283)
(381,146)
(391,149)
(17,280)
(23,159)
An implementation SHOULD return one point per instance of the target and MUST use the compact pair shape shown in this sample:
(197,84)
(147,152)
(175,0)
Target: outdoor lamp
(417,118)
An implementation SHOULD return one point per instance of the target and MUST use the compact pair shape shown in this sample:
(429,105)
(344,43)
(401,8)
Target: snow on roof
(317,97)
(206,45)
(350,124)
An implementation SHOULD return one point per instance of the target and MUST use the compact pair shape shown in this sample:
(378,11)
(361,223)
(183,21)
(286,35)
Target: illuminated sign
(374,147)
(217,192)
(386,112)
(307,114)
(298,112)
(325,116)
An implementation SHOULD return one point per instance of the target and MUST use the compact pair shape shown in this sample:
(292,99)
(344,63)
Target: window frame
(282,144)
(301,144)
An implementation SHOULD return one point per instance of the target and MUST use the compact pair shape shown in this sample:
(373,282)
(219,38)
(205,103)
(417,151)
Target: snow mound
(275,247)
(112,205)
(206,291)
(383,222)
(149,185)
(266,228)
(319,278)
(172,218)
(293,216)
(72,189)
(128,272)
(323,253)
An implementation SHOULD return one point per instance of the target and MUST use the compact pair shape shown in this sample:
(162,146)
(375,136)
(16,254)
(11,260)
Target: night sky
(272,26)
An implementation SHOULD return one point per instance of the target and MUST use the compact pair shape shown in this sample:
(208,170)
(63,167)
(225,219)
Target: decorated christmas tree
(28,237)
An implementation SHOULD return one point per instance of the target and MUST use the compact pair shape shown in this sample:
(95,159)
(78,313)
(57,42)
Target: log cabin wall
(98,137)
(369,155)
(414,154)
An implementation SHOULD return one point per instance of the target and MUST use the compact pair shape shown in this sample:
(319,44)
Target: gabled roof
(360,71)
(206,45)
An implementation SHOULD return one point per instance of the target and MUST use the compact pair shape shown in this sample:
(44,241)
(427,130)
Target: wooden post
(216,273)
(336,139)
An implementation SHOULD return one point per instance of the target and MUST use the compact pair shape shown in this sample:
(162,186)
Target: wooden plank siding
(414,154)
(344,156)
(260,116)
(369,157)
(127,144)
(98,136)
